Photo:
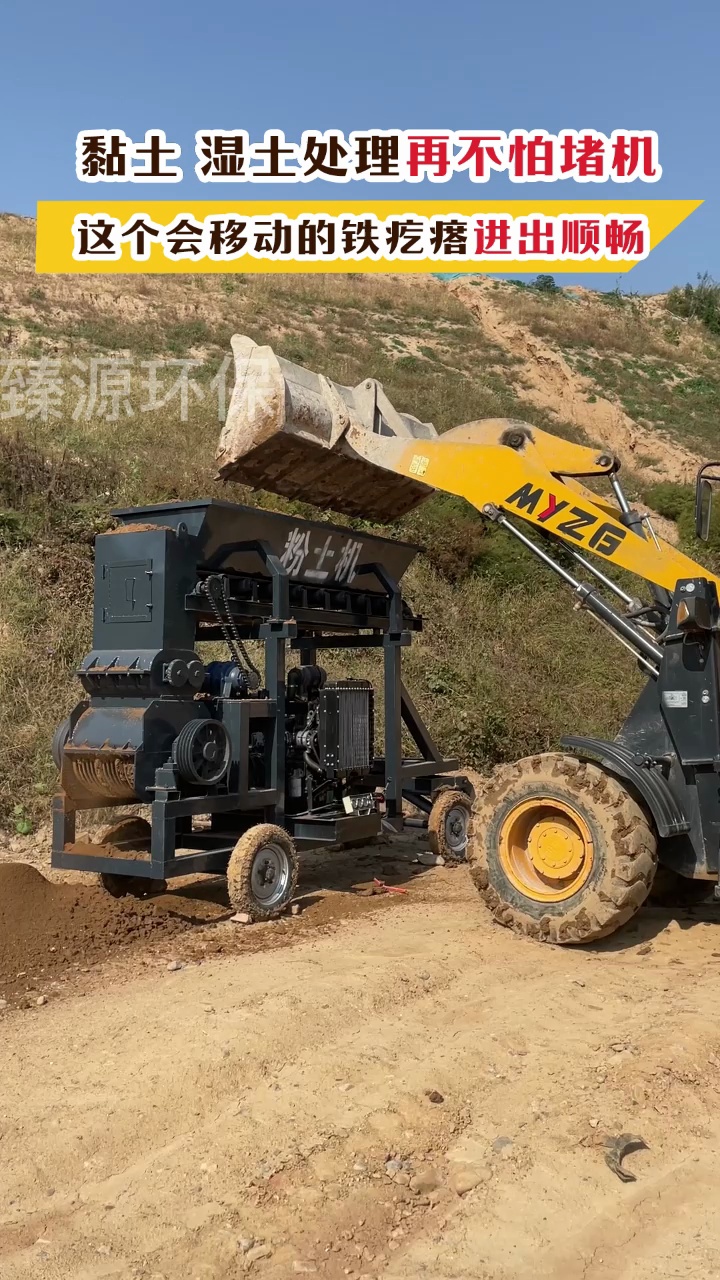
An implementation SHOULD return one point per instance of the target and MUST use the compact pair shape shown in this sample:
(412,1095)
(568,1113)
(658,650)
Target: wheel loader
(564,846)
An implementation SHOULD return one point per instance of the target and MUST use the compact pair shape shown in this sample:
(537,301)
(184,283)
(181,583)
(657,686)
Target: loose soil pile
(51,932)
(46,927)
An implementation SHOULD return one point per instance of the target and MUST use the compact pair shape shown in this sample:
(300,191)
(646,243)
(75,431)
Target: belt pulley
(201,752)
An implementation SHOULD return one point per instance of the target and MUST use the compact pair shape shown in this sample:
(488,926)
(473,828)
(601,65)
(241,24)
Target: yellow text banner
(64,228)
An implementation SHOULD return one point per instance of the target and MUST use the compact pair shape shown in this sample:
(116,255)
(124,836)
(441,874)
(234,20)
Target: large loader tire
(559,850)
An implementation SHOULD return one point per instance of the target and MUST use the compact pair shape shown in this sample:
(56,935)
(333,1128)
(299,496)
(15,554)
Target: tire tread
(631,841)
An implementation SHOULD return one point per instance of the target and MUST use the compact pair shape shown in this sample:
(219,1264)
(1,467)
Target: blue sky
(180,66)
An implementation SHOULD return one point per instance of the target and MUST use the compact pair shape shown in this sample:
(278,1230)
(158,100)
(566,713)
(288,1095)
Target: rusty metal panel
(104,774)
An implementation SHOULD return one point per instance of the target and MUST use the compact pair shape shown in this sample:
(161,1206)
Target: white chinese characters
(332,559)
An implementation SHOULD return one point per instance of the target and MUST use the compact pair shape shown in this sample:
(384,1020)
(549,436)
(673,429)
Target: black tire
(448,825)
(128,834)
(60,740)
(262,872)
(618,871)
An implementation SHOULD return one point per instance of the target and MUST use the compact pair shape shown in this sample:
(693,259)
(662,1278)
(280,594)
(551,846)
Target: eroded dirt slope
(546,380)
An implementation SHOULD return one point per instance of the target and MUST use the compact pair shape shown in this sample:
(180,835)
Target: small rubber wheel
(560,850)
(262,872)
(448,825)
(129,834)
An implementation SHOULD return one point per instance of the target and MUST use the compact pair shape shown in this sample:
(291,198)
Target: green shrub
(677,502)
(546,285)
(541,284)
(698,302)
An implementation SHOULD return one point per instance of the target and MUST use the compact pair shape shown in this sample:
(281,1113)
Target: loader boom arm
(496,478)
(296,433)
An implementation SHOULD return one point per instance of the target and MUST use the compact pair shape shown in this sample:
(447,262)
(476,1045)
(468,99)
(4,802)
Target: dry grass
(45,627)
(628,325)
(664,371)
(502,672)
(190,315)
(504,665)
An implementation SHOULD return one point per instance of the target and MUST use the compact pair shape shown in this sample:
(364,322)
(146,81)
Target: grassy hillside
(664,372)
(89,420)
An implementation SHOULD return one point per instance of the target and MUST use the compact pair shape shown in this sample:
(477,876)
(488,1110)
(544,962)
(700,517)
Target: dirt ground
(386,1085)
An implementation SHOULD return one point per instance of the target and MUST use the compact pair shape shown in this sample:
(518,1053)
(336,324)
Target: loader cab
(706,522)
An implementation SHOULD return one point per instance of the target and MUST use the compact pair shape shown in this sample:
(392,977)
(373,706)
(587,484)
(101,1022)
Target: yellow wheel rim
(546,849)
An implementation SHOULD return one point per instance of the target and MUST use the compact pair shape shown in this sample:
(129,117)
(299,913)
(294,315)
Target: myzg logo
(576,525)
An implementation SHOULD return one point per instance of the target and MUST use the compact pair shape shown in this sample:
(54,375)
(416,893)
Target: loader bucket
(287,432)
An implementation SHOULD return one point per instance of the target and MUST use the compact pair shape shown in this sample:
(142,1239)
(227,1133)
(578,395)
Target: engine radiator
(346,728)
